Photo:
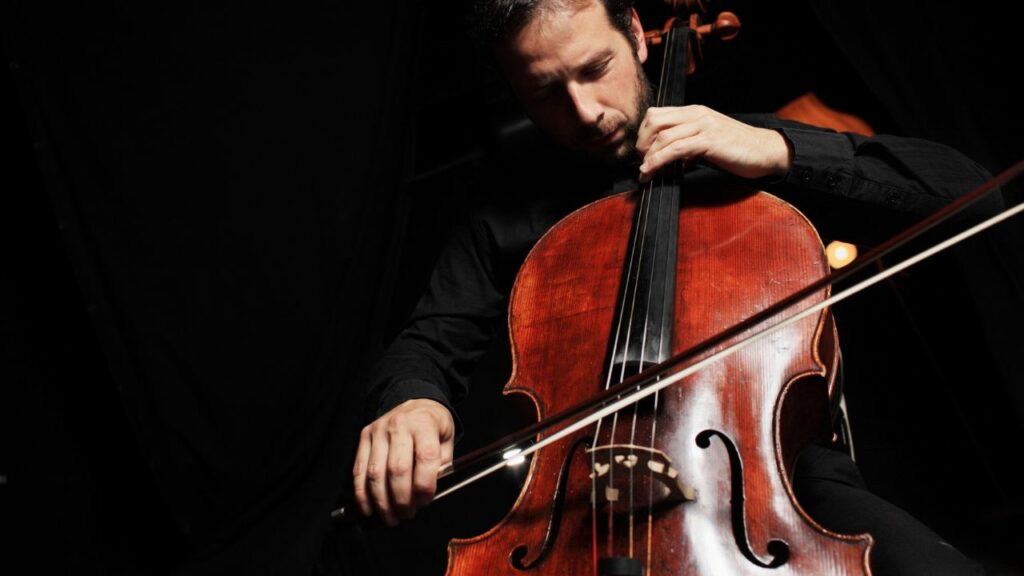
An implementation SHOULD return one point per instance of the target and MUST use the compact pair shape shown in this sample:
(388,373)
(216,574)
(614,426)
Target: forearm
(865,189)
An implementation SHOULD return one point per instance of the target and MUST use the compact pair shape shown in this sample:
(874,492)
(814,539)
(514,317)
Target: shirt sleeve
(865,189)
(450,328)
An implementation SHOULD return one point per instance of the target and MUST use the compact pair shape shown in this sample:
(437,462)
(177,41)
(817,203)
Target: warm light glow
(513,458)
(840,253)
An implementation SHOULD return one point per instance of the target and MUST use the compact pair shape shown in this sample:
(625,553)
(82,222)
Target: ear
(637,29)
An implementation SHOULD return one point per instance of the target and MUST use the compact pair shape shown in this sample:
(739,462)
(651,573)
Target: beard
(625,154)
(645,99)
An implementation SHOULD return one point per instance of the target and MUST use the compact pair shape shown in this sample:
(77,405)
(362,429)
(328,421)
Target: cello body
(729,434)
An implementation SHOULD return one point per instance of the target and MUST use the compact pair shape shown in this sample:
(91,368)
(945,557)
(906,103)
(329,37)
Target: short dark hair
(493,21)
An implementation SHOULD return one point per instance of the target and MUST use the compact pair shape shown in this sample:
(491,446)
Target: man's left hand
(698,133)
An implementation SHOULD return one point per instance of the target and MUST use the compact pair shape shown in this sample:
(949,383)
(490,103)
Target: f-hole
(777,549)
(515,558)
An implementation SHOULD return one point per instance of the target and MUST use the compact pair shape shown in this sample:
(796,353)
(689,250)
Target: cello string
(668,291)
(650,486)
(632,262)
(655,191)
(670,379)
(643,220)
(661,193)
(663,341)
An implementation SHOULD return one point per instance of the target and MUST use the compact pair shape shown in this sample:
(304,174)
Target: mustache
(597,131)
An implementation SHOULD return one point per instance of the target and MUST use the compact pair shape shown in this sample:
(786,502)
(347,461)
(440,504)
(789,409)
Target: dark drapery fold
(225,179)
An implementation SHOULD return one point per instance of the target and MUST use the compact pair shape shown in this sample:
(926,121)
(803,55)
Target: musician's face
(580,79)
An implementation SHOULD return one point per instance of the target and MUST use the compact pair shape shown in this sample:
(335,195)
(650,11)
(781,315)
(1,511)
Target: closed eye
(541,92)
(597,69)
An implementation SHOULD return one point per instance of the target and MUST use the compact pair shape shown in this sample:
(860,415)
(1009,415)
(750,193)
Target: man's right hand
(398,459)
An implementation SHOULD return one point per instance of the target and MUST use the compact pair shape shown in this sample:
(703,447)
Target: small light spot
(512,457)
(840,254)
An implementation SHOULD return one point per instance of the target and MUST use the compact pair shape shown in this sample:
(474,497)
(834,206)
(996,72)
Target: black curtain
(221,182)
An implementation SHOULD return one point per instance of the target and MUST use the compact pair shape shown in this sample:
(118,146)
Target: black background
(214,217)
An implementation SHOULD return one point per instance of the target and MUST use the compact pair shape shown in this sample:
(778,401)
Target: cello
(694,479)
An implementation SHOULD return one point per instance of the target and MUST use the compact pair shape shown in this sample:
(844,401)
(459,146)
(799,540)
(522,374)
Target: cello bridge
(629,477)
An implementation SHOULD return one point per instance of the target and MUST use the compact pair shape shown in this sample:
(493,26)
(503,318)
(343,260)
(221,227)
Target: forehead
(560,34)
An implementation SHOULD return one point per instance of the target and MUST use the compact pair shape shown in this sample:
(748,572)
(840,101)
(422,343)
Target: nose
(585,103)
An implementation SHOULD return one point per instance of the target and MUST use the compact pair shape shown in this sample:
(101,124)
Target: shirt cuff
(406,390)
(822,161)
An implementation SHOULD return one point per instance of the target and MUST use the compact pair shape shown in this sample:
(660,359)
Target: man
(575,65)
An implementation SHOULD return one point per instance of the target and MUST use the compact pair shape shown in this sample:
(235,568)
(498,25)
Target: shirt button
(804,174)
(833,181)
